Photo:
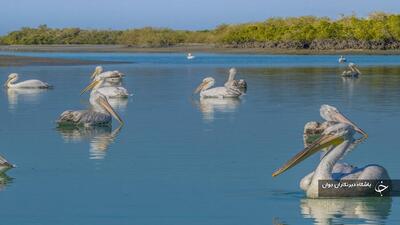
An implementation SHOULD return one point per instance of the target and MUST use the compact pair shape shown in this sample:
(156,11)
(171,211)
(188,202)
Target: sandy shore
(187,48)
(7,60)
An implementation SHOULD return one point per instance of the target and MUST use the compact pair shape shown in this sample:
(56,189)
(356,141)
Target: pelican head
(232,74)
(99,101)
(98,82)
(330,113)
(11,78)
(110,75)
(98,70)
(206,84)
(332,136)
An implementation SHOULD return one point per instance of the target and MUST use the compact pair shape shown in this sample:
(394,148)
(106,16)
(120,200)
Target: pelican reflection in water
(4,167)
(5,180)
(336,140)
(14,95)
(100,138)
(372,210)
(209,106)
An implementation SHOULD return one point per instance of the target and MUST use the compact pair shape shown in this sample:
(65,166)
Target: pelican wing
(31,84)
(83,117)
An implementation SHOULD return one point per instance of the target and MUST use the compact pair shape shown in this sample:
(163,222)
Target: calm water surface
(179,160)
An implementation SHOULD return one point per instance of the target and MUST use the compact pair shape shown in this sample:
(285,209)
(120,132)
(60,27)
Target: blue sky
(177,14)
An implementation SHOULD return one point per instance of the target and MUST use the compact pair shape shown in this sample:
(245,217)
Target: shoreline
(194,48)
(11,60)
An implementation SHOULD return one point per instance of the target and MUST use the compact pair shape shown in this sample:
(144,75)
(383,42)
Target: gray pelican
(5,165)
(190,56)
(12,78)
(109,91)
(239,84)
(342,59)
(337,140)
(218,92)
(353,71)
(115,80)
(98,115)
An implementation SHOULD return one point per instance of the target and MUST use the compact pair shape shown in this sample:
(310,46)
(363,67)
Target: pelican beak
(8,80)
(103,102)
(321,143)
(90,86)
(200,87)
(343,119)
(358,71)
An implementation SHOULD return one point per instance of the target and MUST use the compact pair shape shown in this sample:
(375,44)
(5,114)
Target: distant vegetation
(377,31)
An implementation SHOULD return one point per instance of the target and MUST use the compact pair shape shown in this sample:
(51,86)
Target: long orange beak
(103,102)
(323,142)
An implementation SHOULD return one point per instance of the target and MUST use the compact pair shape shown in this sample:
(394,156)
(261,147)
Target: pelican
(337,139)
(239,84)
(353,71)
(342,59)
(190,56)
(5,165)
(218,92)
(109,91)
(98,115)
(13,77)
(115,80)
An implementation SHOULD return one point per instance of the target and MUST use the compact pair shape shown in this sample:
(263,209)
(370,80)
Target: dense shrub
(377,31)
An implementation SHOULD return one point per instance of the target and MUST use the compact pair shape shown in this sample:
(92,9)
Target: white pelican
(218,92)
(342,59)
(108,91)
(12,78)
(5,165)
(338,140)
(353,71)
(190,56)
(98,115)
(239,84)
(115,80)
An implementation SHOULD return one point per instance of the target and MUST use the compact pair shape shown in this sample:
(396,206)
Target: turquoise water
(179,160)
